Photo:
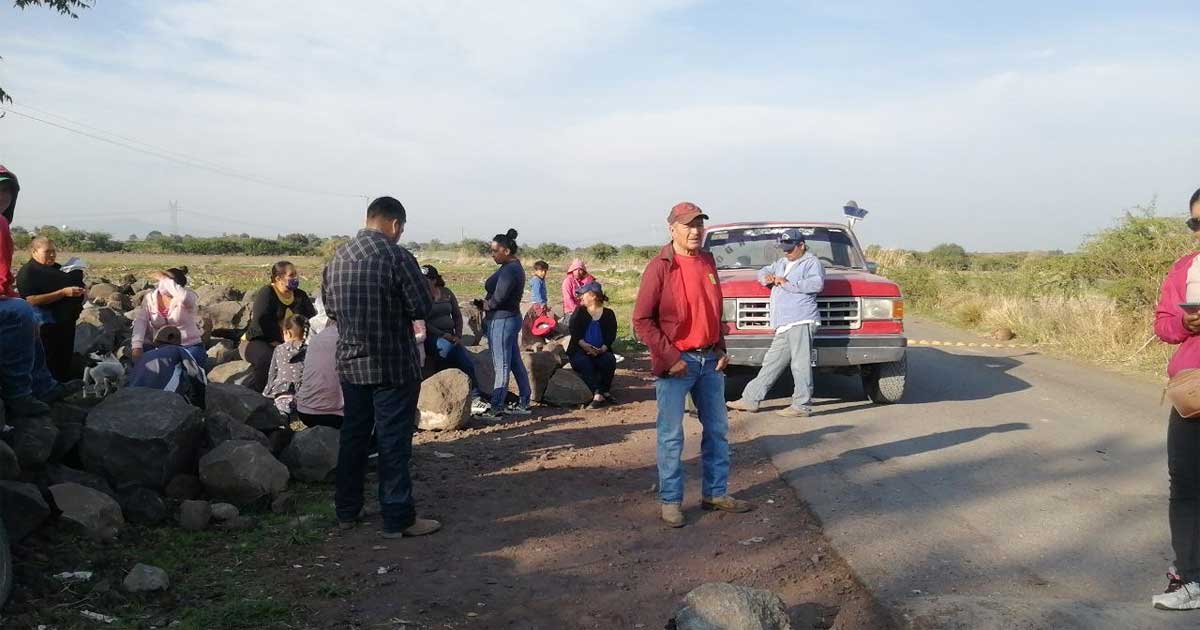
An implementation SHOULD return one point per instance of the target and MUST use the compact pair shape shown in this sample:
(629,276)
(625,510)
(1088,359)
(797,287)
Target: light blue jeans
(506,357)
(791,349)
(707,387)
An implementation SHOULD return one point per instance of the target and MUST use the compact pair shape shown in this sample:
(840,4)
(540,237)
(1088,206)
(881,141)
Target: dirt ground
(551,522)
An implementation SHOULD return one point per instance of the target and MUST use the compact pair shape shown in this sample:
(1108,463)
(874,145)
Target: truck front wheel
(884,382)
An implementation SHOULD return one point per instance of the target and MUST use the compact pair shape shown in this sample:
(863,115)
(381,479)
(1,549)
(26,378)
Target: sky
(1011,126)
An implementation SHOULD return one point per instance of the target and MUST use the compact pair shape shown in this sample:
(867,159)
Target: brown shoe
(672,514)
(742,405)
(726,504)
(794,412)
(420,527)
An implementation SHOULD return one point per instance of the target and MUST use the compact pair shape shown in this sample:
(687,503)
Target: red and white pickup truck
(862,314)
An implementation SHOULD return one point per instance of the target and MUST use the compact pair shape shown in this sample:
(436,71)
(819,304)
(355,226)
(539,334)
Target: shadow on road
(927,443)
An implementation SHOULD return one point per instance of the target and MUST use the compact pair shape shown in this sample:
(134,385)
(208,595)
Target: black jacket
(266,310)
(580,318)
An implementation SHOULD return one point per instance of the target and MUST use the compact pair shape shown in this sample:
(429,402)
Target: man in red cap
(678,317)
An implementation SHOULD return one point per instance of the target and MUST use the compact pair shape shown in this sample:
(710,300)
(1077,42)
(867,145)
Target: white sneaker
(480,407)
(1186,598)
(517,410)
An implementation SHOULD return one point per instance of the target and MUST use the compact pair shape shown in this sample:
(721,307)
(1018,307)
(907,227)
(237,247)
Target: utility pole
(174,218)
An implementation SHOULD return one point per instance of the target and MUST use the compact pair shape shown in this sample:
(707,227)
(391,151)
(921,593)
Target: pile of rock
(143,455)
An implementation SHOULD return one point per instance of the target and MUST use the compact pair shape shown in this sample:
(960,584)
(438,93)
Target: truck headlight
(729,310)
(882,309)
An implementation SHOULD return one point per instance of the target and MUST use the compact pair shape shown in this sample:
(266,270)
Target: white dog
(103,378)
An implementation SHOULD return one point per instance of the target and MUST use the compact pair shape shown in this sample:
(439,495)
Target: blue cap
(592,286)
(789,239)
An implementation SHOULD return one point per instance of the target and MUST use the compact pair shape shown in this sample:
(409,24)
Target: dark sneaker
(27,406)
(1174,581)
(517,410)
(422,527)
(725,504)
(491,415)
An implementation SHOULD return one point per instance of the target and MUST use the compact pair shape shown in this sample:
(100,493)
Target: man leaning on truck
(795,281)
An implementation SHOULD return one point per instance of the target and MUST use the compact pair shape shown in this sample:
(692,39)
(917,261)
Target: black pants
(1183,463)
(59,343)
(597,372)
(320,420)
(391,411)
(258,354)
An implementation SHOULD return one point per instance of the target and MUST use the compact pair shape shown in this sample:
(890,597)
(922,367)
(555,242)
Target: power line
(171,156)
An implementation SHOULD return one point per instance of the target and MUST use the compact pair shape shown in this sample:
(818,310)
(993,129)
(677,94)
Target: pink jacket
(569,286)
(1168,318)
(182,313)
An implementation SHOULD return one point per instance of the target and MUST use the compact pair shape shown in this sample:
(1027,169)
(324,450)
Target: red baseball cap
(685,212)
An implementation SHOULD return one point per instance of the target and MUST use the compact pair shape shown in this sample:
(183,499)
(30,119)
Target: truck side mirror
(872,267)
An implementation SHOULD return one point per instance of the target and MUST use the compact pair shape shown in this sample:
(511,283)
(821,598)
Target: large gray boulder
(195,516)
(33,441)
(102,291)
(101,329)
(142,436)
(225,317)
(445,402)
(233,373)
(144,578)
(57,473)
(222,352)
(721,606)
(210,294)
(69,420)
(10,466)
(23,509)
(312,454)
(242,473)
(96,513)
(221,427)
(567,389)
(243,405)
(485,374)
(541,367)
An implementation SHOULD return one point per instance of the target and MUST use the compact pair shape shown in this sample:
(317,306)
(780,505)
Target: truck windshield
(754,248)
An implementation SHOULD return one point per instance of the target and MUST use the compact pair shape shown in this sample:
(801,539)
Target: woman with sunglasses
(1178,323)
(502,321)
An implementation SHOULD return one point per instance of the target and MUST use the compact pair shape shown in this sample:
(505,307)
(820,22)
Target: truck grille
(836,313)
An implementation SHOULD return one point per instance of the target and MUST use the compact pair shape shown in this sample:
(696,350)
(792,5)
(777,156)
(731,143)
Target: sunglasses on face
(1194,224)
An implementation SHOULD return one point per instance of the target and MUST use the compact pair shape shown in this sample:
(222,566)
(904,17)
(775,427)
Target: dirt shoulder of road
(551,522)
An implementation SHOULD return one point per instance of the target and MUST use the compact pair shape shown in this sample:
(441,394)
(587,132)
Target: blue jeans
(707,387)
(506,357)
(22,358)
(391,411)
(456,356)
(597,372)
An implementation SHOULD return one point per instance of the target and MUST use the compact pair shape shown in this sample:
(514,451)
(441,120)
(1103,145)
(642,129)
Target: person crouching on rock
(171,303)
(272,305)
(287,365)
(593,332)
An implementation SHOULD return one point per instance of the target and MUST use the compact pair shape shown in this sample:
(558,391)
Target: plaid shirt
(375,291)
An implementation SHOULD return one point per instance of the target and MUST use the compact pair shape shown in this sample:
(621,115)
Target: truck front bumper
(831,351)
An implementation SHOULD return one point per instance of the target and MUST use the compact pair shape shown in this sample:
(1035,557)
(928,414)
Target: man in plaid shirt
(374,289)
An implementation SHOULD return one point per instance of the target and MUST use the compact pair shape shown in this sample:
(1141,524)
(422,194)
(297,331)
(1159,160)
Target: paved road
(1009,490)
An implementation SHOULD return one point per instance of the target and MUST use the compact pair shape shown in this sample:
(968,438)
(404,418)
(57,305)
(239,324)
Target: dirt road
(551,523)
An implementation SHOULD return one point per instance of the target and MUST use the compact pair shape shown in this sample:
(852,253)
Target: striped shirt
(375,291)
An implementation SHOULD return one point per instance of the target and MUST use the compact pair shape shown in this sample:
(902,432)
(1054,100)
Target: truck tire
(6,567)
(884,382)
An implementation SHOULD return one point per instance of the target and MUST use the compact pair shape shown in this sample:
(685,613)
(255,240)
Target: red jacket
(659,311)
(8,286)
(1168,318)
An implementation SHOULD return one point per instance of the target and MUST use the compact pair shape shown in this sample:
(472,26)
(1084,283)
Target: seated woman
(319,399)
(444,326)
(272,305)
(171,303)
(593,332)
(287,365)
(57,298)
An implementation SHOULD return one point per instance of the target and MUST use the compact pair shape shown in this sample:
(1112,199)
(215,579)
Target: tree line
(73,240)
